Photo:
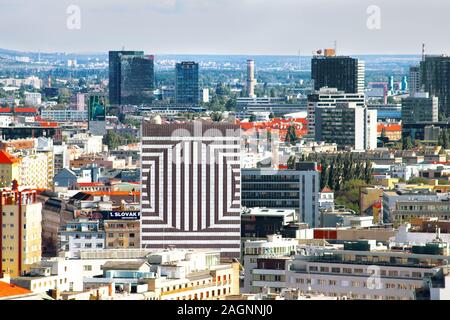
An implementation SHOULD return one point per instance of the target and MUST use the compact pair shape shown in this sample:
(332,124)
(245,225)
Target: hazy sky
(226,26)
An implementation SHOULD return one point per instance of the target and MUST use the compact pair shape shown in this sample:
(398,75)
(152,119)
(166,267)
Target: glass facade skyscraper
(343,73)
(131,77)
(187,83)
(435,79)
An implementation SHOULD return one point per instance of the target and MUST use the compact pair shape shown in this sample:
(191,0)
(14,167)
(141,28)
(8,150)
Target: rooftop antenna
(423,51)
(335,47)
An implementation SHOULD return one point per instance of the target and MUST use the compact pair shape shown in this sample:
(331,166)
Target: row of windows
(355,284)
(390,273)
(120,235)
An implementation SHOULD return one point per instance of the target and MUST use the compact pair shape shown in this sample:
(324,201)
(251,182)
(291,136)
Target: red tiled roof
(25,110)
(11,290)
(6,158)
(326,190)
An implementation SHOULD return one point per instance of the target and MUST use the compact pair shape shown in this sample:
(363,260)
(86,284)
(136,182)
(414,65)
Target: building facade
(347,124)
(344,73)
(131,77)
(420,108)
(191,186)
(329,97)
(435,79)
(292,189)
(187,83)
(20,233)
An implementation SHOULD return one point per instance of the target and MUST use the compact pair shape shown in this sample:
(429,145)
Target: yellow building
(20,232)
(9,169)
(389,183)
(368,197)
(215,284)
(122,234)
(35,171)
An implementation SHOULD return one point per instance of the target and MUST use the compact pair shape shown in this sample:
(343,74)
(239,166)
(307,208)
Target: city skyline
(252,27)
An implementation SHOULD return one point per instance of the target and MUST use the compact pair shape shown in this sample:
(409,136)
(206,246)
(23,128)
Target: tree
(271,115)
(252,118)
(445,139)
(407,143)
(324,173)
(291,162)
(216,116)
(112,140)
(291,135)
(348,196)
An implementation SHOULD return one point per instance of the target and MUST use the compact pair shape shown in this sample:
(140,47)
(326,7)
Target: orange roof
(5,110)
(389,127)
(6,158)
(11,290)
(326,190)
(48,124)
(90,184)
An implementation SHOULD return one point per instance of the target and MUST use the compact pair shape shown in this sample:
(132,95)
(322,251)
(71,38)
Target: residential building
(33,99)
(273,246)
(65,115)
(20,233)
(122,233)
(81,234)
(9,169)
(359,270)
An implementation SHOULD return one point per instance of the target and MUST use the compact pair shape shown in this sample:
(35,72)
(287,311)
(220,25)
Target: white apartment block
(361,270)
(274,246)
(81,235)
(33,99)
(65,115)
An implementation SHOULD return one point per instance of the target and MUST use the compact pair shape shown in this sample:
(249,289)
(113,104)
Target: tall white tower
(251,81)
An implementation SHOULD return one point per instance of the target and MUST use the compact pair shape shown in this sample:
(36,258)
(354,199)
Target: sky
(256,27)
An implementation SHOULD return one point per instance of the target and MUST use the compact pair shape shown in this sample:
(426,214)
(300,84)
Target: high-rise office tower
(344,73)
(187,83)
(131,77)
(347,124)
(191,186)
(420,108)
(414,80)
(295,189)
(329,97)
(435,79)
(251,81)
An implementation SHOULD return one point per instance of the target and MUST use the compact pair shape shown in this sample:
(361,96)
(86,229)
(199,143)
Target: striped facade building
(191,186)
